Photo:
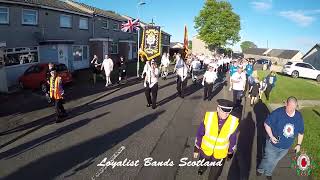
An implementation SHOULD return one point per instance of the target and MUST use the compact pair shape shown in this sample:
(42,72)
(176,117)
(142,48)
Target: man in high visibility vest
(56,93)
(216,138)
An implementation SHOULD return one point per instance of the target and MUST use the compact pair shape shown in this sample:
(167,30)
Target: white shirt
(107,66)
(210,77)
(151,77)
(196,64)
(207,60)
(182,69)
(165,61)
(242,81)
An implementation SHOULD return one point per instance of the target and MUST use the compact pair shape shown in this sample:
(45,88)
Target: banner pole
(138,63)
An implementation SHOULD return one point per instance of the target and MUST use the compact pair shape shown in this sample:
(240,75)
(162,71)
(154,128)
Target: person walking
(94,64)
(150,74)
(238,80)
(57,93)
(217,138)
(164,66)
(209,78)
(107,66)
(271,82)
(182,73)
(283,125)
(254,91)
(122,69)
(232,70)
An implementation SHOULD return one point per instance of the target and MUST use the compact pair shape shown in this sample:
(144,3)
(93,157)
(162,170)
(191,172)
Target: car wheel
(21,85)
(295,74)
(318,78)
(43,87)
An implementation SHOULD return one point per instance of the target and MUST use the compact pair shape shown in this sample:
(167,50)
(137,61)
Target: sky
(277,24)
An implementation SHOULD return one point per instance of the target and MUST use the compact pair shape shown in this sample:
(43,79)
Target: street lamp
(141,3)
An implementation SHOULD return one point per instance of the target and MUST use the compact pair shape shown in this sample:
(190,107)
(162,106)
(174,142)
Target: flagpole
(138,62)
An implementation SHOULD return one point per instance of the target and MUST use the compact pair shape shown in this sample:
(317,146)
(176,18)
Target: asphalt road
(120,127)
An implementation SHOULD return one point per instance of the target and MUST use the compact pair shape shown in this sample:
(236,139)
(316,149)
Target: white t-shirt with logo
(239,86)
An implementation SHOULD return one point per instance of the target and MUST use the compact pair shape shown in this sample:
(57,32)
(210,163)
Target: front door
(130,51)
(63,54)
(105,49)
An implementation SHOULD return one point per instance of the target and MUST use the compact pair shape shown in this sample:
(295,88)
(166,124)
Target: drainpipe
(93,26)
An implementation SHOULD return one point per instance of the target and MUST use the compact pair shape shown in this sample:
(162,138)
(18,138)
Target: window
(4,15)
(105,25)
(65,21)
(114,48)
(115,26)
(83,23)
(16,56)
(80,53)
(300,64)
(29,17)
(308,66)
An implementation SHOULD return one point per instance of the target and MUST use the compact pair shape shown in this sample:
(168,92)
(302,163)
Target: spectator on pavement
(150,74)
(94,64)
(107,65)
(122,69)
(271,82)
(282,126)
(238,80)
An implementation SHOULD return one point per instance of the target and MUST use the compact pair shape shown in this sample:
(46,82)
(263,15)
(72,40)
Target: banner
(185,43)
(151,42)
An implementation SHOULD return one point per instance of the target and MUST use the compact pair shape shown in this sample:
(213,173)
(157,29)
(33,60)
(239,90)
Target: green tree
(246,45)
(217,24)
(190,44)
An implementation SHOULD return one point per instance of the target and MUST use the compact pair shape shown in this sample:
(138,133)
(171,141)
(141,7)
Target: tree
(217,24)
(190,44)
(246,45)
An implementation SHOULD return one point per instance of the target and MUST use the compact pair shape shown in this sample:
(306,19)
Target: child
(263,87)
(255,91)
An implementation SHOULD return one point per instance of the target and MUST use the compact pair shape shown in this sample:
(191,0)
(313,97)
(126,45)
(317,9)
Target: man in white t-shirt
(181,69)
(238,80)
(209,78)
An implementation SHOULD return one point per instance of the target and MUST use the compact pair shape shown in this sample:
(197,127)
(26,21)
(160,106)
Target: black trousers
(207,90)
(181,85)
(215,171)
(268,91)
(237,97)
(154,91)
(60,111)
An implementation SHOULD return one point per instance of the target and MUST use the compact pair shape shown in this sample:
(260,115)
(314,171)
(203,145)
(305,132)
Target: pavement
(115,124)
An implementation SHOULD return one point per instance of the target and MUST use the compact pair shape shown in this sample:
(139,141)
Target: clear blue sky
(289,24)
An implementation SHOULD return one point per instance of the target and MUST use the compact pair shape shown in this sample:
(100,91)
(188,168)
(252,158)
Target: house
(313,56)
(107,37)
(199,47)
(43,31)
(278,56)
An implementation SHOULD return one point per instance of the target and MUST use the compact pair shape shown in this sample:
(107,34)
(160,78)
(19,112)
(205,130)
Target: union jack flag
(130,25)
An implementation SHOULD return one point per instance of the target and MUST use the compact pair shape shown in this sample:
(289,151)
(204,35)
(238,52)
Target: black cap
(225,105)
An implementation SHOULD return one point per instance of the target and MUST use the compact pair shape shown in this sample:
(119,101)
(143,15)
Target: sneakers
(258,174)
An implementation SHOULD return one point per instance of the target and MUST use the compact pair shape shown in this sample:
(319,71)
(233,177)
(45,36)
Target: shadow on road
(261,112)
(37,124)
(46,138)
(241,163)
(80,155)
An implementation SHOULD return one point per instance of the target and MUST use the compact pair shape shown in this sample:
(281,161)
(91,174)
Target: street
(119,126)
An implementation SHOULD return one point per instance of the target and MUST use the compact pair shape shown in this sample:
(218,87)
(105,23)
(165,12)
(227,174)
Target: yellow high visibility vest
(55,91)
(214,143)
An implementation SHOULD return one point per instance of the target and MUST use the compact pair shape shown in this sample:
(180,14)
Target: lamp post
(141,3)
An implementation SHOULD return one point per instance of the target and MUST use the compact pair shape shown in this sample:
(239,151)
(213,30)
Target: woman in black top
(94,67)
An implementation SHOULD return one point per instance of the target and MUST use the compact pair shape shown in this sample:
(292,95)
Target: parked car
(261,64)
(301,69)
(36,76)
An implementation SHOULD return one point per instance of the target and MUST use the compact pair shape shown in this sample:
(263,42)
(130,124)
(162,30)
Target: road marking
(113,157)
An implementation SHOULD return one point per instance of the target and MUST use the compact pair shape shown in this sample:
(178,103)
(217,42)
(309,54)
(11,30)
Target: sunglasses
(225,110)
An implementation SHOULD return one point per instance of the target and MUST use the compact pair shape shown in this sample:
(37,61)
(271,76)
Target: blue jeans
(271,158)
